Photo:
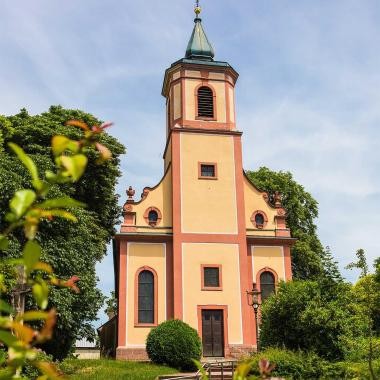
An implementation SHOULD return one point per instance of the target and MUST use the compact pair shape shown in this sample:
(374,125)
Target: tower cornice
(192,64)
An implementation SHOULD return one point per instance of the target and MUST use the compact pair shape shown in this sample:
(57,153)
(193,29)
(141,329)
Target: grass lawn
(104,369)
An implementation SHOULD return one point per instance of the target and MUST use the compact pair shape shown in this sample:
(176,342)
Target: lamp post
(253,300)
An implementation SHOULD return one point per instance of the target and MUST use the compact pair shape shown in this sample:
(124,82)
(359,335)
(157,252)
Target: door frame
(224,309)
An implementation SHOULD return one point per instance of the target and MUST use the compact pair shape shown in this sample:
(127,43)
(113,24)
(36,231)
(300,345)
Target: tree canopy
(71,249)
(310,260)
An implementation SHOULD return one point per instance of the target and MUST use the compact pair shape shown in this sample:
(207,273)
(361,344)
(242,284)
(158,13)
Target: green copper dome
(199,46)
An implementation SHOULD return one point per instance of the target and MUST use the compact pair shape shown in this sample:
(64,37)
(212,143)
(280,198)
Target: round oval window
(259,219)
(152,216)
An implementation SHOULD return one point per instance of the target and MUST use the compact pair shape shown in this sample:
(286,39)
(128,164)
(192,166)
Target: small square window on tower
(211,277)
(207,170)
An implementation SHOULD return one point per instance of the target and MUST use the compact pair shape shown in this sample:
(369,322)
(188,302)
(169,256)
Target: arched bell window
(205,102)
(267,284)
(146,297)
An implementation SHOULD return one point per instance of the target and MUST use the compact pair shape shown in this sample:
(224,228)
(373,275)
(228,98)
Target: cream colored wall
(271,257)
(140,255)
(193,73)
(218,76)
(254,201)
(177,101)
(232,104)
(208,206)
(160,197)
(219,87)
(176,75)
(227,255)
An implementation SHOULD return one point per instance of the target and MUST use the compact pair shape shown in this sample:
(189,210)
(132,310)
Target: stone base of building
(240,351)
(140,354)
(133,354)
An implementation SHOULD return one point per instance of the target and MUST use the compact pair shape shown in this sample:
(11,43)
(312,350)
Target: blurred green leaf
(28,163)
(21,201)
(40,292)
(33,315)
(31,255)
(7,338)
(61,143)
(60,202)
(50,176)
(4,307)
(60,213)
(6,374)
(4,243)
(43,267)
(74,165)
(30,229)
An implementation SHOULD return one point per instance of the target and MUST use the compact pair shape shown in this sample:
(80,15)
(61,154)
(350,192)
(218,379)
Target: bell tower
(204,150)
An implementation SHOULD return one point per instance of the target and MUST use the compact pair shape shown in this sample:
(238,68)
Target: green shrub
(302,315)
(349,370)
(299,365)
(357,350)
(289,364)
(174,343)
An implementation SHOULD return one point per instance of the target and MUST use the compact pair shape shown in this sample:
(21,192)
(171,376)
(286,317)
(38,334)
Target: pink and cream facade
(193,245)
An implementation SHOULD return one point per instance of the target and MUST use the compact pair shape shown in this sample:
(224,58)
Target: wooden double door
(213,333)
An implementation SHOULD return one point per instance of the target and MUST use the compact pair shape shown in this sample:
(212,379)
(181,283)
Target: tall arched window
(267,285)
(205,102)
(146,297)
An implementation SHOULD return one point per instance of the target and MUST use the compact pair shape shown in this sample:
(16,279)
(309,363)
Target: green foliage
(289,364)
(31,372)
(112,369)
(358,349)
(71,249)
(376,277)
(298,365)
(174,343)
(111,304)
(360,264)
(309,259)
(19,337)
(304,316)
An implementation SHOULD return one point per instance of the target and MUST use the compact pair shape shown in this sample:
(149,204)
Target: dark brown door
(212,333)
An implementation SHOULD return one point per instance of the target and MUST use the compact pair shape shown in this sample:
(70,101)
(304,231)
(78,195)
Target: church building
(196,242)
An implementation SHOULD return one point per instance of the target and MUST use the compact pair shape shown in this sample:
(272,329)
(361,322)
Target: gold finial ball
(197,10)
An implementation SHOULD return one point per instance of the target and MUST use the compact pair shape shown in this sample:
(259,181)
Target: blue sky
(308,97)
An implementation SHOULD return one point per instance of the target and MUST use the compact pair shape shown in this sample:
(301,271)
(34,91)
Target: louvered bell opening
(205,102)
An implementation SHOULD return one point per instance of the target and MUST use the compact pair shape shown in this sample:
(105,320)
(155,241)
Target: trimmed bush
(175,344)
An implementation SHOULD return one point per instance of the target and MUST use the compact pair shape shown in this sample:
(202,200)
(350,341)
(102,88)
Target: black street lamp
(253,297)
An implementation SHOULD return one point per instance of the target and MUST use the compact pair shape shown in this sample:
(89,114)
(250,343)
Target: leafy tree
(111,304)
(69,249)
(303,315)
(367,292)
(309,259)
(376,319)
(28,207)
